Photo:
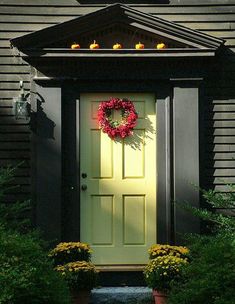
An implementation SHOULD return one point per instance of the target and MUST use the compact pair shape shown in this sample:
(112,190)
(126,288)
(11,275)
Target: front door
(118,183)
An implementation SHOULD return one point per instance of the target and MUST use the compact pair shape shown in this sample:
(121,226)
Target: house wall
(19,17)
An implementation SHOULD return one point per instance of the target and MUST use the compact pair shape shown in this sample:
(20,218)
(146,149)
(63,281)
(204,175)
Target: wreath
(114,128)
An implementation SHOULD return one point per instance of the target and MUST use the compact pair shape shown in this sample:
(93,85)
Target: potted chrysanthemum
(81,277)
(165,266)
(73,261)
(67,252)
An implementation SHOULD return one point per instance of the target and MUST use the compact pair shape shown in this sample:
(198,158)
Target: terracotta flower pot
(159,297)
(81,297)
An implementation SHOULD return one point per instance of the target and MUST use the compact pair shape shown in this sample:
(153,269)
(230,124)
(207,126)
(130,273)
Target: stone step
(119,295)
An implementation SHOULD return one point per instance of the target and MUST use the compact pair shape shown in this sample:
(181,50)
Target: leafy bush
(26,274)
(210,276)
(222,205)
(12,215)
(6,176)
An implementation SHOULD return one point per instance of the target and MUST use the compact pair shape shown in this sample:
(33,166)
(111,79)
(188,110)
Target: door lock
(84,187)
(84,175)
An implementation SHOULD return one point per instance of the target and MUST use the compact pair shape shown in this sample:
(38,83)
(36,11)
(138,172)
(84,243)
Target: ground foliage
(26,273)
(14,215)
(210,276)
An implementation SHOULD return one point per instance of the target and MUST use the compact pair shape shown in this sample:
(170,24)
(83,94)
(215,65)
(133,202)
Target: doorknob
(84,187)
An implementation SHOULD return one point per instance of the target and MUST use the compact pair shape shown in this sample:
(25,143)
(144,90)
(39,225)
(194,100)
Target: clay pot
(159,297)
(81,297)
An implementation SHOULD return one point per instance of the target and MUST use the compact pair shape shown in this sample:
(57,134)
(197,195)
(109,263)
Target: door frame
(177,115)
(162,91)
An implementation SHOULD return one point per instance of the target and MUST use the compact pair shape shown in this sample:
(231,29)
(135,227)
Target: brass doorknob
(84,187)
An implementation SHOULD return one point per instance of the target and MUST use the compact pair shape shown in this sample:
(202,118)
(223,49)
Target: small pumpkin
(161,46)
(75,46)
(139,46)
(94,45)
(117,46)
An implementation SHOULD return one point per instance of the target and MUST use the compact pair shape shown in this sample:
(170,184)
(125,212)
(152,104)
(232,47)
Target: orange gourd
(117,46)
(161,46)
(139,46)
(75,46)
(94,45)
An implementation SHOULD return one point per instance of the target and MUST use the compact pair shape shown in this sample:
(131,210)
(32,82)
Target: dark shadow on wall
(217,149)
(46,172)
(218,126)
(40,123)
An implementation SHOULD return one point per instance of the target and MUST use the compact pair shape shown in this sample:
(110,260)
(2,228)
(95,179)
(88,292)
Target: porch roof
(54,41)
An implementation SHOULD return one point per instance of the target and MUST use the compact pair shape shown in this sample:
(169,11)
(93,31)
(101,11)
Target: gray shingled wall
(217,18)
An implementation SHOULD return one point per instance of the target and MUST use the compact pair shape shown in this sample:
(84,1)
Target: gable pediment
(107,36)
(117,23)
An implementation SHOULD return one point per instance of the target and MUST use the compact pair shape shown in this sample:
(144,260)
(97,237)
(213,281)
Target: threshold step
(119,295)
(114,268)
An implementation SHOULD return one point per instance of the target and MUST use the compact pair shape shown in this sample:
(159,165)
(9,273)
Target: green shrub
(221,216)
(13,215)
(26,274)
(210,275)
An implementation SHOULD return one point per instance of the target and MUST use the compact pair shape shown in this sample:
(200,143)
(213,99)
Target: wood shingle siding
(214,17)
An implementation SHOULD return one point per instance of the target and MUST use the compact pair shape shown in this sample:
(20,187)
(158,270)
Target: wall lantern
(20,105)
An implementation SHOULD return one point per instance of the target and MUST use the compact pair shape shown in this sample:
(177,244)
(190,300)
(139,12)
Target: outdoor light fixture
(20,104)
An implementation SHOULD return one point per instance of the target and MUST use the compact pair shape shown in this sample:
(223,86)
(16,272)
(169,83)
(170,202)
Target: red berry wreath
(114,128)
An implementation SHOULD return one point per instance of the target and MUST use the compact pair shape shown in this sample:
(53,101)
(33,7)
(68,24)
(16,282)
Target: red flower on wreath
(121,128)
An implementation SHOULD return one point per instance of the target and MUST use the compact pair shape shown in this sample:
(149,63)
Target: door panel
(118,208)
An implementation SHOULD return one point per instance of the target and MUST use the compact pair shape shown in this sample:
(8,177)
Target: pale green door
(118,208)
